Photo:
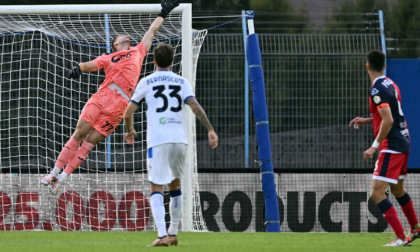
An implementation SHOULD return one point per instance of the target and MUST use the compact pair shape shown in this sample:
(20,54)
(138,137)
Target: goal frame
(185,10)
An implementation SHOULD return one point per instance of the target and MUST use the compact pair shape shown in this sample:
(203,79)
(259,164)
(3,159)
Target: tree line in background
(402,18)
(306,76)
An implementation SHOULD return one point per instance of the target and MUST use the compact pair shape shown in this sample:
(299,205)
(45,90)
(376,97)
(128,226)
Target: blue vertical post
(382,30)
(256,75)
(246,88)
(108,50)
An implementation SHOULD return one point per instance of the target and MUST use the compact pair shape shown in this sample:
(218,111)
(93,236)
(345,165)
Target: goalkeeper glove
(167,7)
(74,72)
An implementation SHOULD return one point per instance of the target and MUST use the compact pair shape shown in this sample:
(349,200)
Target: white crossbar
(86,9)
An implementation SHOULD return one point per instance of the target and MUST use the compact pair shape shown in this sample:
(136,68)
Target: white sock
(158,211)
(63,176)
(175,208)
(54,173)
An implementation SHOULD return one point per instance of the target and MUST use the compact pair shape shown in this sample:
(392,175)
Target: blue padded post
(256,75)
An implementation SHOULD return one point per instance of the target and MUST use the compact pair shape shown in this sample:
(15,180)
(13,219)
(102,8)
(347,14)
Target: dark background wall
(406,74)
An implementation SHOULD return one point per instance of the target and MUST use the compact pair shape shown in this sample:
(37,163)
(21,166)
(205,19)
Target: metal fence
(315,84)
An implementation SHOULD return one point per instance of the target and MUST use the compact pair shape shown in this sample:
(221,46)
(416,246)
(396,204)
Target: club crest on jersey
(374,91)
(376,99)
(117,58)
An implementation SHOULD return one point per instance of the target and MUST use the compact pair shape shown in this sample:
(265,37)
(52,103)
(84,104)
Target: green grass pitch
(137,241)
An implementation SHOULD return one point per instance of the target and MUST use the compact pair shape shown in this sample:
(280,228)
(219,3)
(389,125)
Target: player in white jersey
(166,94)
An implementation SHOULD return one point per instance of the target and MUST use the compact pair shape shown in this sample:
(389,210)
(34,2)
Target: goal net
(40,108)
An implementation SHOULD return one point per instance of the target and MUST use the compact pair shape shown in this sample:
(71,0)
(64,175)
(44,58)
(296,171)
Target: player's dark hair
(164,55)
(376,60)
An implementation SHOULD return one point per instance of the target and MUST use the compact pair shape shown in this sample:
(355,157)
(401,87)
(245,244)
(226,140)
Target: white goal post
(52,31)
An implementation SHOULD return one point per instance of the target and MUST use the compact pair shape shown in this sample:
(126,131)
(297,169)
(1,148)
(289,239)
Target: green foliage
(280,16)
(356,16)
(403,24)
(270,5)
(401,18)
(219,5)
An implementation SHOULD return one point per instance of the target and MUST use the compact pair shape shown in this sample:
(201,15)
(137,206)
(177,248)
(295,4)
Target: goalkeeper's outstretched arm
(150,34)
(167,7)
(88,67)
(77,69)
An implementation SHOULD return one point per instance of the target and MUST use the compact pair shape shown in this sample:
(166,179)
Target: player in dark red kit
(393,141)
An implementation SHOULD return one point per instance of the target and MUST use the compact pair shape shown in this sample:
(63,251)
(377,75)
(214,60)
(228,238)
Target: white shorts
(166,162)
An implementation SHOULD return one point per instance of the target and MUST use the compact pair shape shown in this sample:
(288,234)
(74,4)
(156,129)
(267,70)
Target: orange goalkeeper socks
(67,153)
(79,157)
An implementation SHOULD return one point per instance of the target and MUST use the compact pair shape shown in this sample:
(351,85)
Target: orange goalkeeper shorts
(104,111)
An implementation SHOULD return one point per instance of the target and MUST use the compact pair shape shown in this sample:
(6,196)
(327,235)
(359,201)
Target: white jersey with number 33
(165,94)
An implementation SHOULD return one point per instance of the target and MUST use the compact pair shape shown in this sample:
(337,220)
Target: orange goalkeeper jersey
(122,67)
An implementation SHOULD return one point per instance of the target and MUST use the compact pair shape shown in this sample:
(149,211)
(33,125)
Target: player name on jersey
(165,78)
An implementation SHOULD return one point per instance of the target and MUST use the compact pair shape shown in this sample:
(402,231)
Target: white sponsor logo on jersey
(404,132)
(386,83)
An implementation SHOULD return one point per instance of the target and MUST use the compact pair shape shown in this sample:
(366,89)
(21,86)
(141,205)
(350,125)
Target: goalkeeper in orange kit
(105,109)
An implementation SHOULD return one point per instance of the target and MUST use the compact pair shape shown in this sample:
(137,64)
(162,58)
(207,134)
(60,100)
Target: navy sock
(175,193)
(404,199)
(384,205)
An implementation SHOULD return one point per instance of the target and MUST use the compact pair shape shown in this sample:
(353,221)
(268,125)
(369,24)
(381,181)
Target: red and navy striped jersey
(385,93)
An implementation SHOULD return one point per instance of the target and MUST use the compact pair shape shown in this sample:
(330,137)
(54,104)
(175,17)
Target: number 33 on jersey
(165,94)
